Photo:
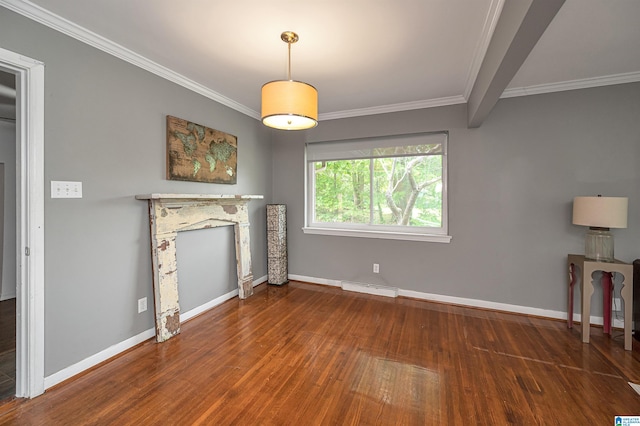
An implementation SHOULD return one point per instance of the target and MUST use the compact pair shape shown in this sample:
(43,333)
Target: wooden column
(172,213)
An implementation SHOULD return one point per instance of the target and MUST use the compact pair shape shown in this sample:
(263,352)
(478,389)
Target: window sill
(432,238)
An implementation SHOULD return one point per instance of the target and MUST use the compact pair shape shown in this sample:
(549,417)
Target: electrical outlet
(376,268)
(142,305)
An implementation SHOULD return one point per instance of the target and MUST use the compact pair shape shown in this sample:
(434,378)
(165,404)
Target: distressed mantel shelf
(173,213)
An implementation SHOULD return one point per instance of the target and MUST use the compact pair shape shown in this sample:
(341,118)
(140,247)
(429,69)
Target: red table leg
(607,290)
(572,281)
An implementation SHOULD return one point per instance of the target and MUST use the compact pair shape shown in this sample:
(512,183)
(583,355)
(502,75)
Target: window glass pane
(408,191)
(386,187)
(342,191)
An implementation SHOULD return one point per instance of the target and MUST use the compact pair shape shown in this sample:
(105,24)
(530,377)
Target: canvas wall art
(199,154)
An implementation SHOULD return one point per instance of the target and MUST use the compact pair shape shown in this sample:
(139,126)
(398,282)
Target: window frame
(395,232)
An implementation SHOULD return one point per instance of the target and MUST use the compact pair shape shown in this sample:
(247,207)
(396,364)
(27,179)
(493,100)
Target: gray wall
(8,214)
(511,186)
(105,127)
(511,183)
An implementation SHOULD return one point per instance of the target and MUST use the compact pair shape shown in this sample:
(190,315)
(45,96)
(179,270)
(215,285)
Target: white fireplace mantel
(172,213)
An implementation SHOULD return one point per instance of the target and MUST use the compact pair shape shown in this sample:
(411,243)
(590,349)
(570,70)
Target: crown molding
(383,109)
(51,20)
(586,83)
(57,23)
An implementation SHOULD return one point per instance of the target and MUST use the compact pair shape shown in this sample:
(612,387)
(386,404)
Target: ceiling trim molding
(383,109)
(586,83)
(51,20)
(62,25)
(491,20)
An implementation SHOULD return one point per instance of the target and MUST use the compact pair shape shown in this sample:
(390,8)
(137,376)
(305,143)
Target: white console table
(587,268)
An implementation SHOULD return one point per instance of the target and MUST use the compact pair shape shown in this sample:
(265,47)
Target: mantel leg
(165,286)
(243,259)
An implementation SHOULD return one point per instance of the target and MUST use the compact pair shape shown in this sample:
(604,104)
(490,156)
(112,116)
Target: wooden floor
(7,349)
(303,354)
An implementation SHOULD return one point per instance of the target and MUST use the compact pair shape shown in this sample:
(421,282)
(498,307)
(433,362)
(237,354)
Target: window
(390,187)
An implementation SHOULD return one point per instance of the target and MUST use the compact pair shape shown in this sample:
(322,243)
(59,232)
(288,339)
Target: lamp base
(598,245)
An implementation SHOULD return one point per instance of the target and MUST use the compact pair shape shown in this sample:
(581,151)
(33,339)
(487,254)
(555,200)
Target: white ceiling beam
(520,26)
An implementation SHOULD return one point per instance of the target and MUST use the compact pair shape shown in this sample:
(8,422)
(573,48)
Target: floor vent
(378,290)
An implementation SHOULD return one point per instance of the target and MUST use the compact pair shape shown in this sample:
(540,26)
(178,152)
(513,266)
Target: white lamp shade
(289,105)
(601,212)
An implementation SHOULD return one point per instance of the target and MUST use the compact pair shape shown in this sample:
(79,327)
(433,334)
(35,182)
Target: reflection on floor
(7,349)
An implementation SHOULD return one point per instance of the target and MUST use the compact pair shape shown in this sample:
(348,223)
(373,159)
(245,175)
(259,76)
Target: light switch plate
(65,189)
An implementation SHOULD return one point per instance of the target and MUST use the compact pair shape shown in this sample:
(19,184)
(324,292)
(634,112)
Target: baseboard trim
(184,317)
(93,360)
(118,348)
(476,303)
(104,355)
(472,303)
(9,296)
(262,279)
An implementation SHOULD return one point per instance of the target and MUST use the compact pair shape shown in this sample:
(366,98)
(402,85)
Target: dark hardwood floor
(7,349)
(303,354)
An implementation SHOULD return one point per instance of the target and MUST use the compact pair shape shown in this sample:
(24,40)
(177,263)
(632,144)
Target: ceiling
(363,56)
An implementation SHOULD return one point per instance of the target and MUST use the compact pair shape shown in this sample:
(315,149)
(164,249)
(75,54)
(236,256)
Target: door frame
(30,221)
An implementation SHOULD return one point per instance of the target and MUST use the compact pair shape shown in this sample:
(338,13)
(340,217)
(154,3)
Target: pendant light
(289,104)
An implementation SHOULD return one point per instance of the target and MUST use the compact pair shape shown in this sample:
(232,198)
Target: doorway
(29,247)
(8,282)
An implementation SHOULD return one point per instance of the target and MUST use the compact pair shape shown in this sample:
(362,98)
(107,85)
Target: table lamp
(600,214)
